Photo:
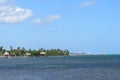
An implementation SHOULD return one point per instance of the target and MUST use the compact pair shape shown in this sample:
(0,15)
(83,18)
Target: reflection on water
(61,68)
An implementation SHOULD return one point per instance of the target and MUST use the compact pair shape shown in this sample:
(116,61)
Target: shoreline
(58,56)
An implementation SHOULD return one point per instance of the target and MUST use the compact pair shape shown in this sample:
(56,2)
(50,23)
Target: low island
(32,52)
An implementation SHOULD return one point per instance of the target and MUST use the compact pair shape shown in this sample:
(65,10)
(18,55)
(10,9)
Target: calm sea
(105,67)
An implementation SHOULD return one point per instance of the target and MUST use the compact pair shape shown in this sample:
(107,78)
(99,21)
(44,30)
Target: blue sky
(76,25)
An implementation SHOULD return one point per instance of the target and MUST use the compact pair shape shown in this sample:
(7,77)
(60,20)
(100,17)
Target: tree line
(21,51)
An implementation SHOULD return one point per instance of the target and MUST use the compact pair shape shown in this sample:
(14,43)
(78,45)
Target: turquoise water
(105,67)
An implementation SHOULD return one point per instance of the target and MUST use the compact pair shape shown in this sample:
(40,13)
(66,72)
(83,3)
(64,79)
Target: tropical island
(21,51)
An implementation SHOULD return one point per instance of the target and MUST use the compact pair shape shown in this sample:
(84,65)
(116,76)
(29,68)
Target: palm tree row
(22,51)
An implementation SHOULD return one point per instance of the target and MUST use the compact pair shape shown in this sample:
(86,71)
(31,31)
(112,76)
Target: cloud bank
(13,14)
(87,3)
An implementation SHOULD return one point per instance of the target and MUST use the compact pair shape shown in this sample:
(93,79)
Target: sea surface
(98,67)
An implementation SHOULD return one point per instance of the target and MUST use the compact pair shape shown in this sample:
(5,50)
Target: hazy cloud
(87,3)
(48,19)
(38,21)
(52,18)
(7,2)
(2,1)
(13,14)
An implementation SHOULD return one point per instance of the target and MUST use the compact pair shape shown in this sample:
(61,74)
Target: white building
(6,54)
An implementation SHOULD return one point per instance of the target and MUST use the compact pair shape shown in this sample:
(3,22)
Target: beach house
(43,53)
(28,54)
(6,54)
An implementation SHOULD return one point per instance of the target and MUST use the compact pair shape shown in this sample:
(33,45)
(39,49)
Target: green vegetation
(22,52)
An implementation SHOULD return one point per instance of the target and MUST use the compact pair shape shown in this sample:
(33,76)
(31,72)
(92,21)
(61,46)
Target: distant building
(6,54)
(28,54)
(80,53)
(12,54)
(43,53)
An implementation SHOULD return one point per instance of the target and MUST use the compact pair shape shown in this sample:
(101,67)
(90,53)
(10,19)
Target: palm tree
(1,50)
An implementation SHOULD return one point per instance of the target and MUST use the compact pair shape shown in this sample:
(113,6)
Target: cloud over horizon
(87,3)
(13,14)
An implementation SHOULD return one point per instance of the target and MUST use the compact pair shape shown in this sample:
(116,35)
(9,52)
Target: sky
(77,25)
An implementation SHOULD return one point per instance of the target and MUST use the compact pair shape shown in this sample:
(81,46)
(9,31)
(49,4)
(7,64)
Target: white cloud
(52,18)
(13,14)
(9,13)
(38,21)
(87,3)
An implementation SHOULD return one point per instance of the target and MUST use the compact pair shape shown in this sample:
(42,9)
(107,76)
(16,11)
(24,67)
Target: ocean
(96,67)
